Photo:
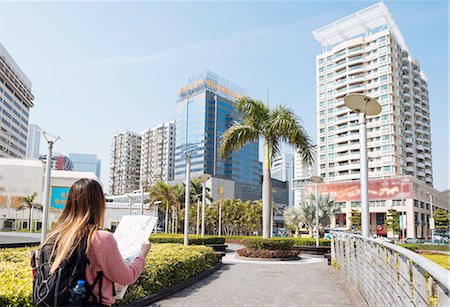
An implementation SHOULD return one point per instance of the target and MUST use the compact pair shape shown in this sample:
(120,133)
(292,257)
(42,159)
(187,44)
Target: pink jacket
(104,256)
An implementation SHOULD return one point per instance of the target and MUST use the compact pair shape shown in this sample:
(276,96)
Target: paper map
(132,232)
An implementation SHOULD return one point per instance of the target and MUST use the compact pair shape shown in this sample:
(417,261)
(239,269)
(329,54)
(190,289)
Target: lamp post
(431,217)
(47,185)
(317,180)
(142,200)
(186,198)
(221,191)
(364,106)
(203,179)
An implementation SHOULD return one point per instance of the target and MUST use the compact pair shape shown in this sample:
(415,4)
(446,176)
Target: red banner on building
(380,189)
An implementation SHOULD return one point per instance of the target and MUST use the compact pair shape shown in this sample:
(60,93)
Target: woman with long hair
(79,225)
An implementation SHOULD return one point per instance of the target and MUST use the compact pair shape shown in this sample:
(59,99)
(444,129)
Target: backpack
(55,289)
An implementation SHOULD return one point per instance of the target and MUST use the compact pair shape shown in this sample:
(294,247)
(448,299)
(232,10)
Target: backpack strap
(98,279)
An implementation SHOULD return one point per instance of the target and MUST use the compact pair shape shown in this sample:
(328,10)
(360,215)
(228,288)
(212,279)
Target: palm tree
(163,192)
(275,126)
(27,202)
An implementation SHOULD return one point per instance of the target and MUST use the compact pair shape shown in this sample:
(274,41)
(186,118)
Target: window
(383,69)
(383,77)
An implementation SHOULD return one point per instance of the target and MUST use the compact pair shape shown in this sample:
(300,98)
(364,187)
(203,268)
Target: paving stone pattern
(255,284)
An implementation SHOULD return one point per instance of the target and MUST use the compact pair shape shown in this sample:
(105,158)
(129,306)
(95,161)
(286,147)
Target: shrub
(268,244)
(298,241)
(311,242)
(15,276)
(179,238)
(167,265)
(264,253)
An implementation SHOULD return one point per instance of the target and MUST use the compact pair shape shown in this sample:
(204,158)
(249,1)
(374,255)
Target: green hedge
(311,242)
(268,244)
(298,241)
(15,277)
(432,247)
(167,265)
(179,238)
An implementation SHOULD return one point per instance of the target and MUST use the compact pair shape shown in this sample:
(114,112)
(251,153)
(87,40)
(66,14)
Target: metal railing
(389,275)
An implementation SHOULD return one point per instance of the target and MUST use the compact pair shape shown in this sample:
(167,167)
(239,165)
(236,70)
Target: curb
(173,289)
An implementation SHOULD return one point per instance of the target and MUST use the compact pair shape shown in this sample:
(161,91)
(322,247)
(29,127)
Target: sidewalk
(243,283)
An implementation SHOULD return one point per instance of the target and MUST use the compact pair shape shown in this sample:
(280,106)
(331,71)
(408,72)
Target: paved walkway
(307,282)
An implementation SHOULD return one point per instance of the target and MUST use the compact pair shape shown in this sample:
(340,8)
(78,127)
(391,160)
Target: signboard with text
(58,198)
(380,189)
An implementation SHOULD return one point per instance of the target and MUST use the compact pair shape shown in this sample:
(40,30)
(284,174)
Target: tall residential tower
(158,153)
(366,53)
(125,163)
(15,103)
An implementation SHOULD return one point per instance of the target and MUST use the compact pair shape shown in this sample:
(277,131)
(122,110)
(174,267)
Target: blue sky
(102,67)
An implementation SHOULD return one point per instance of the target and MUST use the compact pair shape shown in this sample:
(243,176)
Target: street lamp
(431,217)
(47,184)
(203,178)
(363,105)
(317,180)
(186,198)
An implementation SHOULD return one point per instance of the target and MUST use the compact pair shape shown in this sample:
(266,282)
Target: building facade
(33,142)
(204,110)
(16,100)
(20,178)
(365,53)
(410,197)
(158,154)
(283,170)
(302,173)
(86,163)
(124,172)
(60,162)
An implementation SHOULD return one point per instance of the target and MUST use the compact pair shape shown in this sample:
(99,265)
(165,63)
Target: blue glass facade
(85,163)
(196,123)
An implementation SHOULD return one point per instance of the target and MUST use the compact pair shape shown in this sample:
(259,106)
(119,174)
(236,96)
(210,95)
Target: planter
(146,301)
(266,254)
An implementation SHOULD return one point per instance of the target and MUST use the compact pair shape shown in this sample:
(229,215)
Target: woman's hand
(145,248)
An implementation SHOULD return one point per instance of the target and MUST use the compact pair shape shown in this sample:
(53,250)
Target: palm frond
(253,112)
(236,137)
(286,125)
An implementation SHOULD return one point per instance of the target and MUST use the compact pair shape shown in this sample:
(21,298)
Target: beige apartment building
(158,154)
(124,172)
(366,53)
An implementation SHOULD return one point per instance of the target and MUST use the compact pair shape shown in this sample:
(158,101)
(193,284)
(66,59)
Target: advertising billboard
(380,189)
(58,197)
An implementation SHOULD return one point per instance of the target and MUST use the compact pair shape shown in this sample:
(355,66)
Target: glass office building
(85,163)
(204,111)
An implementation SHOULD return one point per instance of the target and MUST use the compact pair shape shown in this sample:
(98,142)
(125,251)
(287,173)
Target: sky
(98,68)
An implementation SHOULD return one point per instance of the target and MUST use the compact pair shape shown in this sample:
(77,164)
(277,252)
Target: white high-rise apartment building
(33,142)
(15,103)
(282,170)
(282,167)
(366,53)
(125,163)
(158,153)
(302,173)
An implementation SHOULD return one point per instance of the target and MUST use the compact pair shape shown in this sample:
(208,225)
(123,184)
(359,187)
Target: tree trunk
(267,197)
(310,229)
(29,218)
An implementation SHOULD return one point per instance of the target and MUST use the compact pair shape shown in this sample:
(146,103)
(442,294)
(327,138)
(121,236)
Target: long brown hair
(81,217)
